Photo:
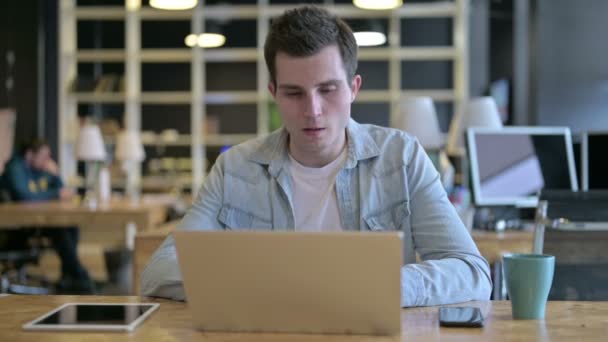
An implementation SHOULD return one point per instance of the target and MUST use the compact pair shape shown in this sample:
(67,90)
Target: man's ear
(355,85)
(272,89)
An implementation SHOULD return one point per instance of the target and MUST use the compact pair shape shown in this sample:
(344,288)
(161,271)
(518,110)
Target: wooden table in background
(117,214)
(566,321)
(106,227)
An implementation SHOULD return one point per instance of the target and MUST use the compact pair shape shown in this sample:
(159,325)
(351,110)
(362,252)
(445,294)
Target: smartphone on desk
(458,316)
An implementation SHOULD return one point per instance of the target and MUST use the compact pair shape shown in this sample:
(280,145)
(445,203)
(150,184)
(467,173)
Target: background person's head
(36,153)
(304,31)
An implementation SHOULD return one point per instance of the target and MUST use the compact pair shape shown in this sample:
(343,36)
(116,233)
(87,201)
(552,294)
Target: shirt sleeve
(452,269)
(162,277)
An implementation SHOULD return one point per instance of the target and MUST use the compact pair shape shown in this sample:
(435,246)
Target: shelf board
(371,96)
(172,97)
(177,55)
(101,55)
(174,55)
(211,97)
(408,53)
(100,13)
(210,55)
(184,140)
(250,97)
(409,10)
(92,97)
(439,95)
(209,140)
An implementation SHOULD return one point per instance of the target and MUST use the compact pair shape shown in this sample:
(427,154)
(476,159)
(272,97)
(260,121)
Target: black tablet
(94,316)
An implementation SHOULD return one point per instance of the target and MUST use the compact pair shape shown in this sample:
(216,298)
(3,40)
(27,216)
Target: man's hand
(65,194)
(51,167)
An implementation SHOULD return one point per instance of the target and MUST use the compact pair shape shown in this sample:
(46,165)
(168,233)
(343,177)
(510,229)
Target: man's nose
(313,105)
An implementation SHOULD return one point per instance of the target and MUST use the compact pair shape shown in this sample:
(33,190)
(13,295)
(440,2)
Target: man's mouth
(313,129)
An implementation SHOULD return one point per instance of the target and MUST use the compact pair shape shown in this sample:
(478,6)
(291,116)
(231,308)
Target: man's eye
(292,93)
(328,89)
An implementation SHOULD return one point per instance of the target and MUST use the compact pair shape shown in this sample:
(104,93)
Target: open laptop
(343,282)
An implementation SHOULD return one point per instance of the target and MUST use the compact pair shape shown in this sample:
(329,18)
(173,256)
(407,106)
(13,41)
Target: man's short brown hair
(306,30)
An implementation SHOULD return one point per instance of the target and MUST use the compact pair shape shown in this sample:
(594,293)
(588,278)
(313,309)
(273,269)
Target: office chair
(18,249)
(577,237)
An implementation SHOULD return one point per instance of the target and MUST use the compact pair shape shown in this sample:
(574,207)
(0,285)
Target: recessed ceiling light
(211,40)
(370,38)
(173,4)
(205,40)
(191,40)
(378,4)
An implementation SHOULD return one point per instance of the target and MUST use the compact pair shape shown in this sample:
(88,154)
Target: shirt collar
(274,153)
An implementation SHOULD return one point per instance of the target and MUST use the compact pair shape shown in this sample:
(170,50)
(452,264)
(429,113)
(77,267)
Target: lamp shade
(478,112)
(419,118)
(129,147)
(368,32)
(90,146)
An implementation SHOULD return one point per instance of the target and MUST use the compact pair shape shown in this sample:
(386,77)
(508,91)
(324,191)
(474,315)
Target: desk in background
(586,321)
(106,227)
(115,215)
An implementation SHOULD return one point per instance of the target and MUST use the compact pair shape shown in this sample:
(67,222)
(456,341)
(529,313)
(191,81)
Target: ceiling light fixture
(378,4)
(173,4)
(205,40)
(370,38)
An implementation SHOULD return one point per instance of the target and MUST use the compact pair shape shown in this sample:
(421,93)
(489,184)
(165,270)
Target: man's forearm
(445,281)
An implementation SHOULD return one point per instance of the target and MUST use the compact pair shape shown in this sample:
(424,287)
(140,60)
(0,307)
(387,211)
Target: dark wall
(571,65)
(28,32)
(19,30)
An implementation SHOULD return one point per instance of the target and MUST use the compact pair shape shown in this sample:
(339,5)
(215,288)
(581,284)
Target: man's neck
(317,158)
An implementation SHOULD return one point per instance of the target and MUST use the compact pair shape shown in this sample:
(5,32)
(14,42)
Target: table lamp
(90,149)
(130,151)
(478,112)
(419,118)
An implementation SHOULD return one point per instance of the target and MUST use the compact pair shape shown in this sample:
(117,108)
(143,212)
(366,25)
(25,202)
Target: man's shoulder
(14,164)
(389,140)
(246,151)
(248,160)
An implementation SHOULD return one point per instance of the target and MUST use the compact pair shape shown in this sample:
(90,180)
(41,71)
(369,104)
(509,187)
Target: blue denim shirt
(387,183)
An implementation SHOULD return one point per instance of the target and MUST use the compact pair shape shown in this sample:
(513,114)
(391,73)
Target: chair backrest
(581,263)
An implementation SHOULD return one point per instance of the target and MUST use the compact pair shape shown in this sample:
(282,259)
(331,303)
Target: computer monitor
(594,164)
(509,166)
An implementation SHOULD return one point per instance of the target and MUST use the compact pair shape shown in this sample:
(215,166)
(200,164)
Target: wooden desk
(492,245)
(580,321)
(118,212)
(110,226)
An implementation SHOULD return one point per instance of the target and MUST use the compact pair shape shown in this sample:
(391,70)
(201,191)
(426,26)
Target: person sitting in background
(29,176)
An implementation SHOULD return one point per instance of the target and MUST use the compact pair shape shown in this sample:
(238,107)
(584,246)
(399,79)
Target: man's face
(314,98)
(38,160)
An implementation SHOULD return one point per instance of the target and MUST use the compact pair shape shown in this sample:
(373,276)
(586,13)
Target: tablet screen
(89,315)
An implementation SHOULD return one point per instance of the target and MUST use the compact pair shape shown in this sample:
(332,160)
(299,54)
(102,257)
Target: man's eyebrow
(289,87)
(322,84)
(329,83)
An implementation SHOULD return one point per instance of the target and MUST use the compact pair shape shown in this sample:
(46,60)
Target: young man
(323,171)
(31,175)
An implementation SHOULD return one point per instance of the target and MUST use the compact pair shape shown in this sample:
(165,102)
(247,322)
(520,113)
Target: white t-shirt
(314,195)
